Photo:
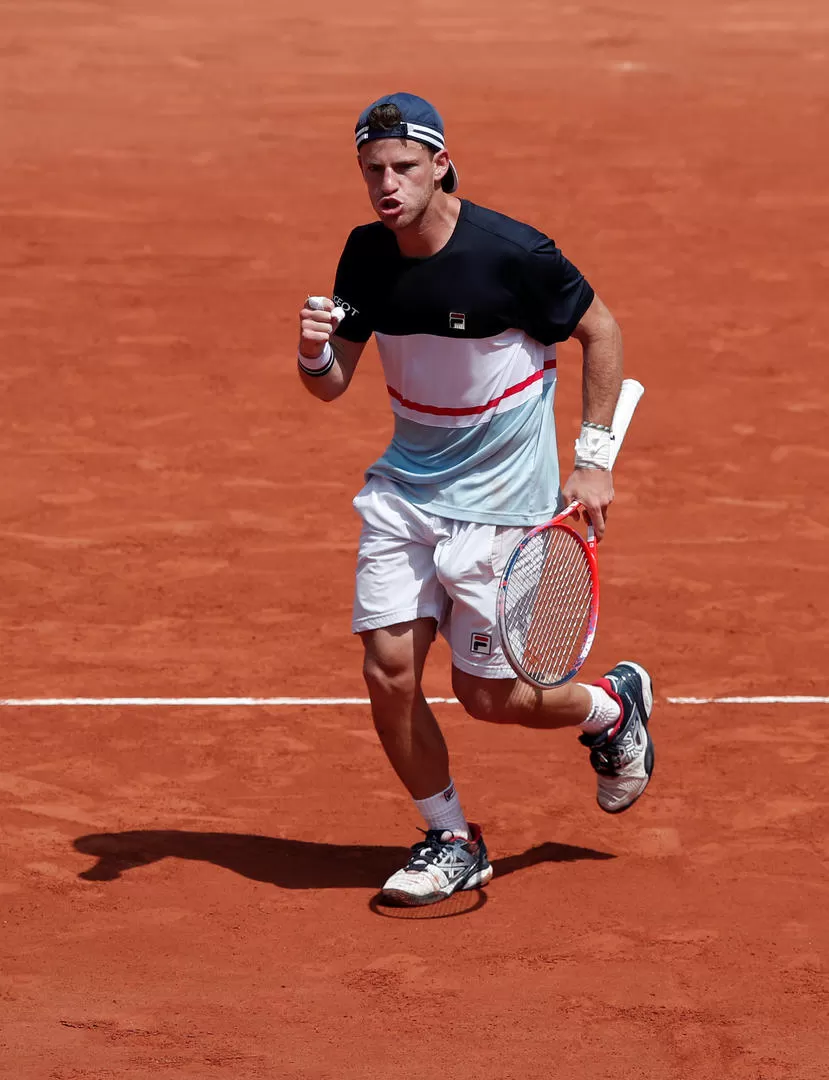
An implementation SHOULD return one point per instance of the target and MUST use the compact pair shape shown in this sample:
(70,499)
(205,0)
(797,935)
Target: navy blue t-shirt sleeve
(352,289)
(555,295)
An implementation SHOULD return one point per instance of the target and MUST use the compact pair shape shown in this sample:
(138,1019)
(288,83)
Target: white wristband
(317,365)
(593,448)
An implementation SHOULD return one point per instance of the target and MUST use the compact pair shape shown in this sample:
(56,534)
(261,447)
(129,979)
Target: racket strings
(549,597)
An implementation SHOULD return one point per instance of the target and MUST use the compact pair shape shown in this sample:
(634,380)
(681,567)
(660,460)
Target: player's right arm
(325,361)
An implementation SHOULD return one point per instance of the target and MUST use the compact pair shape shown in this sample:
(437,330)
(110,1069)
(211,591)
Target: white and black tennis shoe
(623,756)
(439,865)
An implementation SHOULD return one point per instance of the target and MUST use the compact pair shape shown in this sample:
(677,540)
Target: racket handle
(629,397)
(317,303)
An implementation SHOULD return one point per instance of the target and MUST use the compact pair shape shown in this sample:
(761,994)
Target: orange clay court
(189,891)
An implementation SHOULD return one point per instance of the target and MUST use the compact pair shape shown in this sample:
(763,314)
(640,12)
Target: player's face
(401,176)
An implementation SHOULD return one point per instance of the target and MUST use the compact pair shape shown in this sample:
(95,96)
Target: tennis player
(466,306)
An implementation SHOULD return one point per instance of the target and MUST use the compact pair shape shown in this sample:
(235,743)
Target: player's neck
(432,230)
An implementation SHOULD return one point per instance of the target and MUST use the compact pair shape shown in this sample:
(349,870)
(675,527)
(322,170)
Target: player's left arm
(602,356)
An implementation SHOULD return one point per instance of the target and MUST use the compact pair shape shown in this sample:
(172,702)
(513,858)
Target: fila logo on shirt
(457,320)
(481,644)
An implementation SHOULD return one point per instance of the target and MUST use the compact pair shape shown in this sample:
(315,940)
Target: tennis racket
(548,599)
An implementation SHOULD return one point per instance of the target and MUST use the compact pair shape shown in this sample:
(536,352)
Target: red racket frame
(590,548)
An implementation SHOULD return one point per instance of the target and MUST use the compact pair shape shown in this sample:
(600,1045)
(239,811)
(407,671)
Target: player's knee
(389,678)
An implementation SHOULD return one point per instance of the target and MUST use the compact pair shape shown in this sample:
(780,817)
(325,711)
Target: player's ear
(440,163)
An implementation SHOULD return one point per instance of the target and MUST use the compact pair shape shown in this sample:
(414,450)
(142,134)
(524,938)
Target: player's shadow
(289,864)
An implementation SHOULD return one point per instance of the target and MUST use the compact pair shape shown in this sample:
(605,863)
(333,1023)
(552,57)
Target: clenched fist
(317,322)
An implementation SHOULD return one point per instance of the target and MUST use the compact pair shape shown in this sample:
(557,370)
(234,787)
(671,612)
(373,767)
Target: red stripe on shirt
(470,410)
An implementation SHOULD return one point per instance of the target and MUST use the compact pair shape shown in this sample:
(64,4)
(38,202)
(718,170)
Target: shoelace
(429,851)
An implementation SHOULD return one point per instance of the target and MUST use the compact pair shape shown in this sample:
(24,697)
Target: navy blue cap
(421,122)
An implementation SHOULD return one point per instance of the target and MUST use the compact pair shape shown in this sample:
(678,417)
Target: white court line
(788,700)
(199,702)
(208,702)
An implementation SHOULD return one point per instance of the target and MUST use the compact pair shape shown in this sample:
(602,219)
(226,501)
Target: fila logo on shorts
(481,644)
(457,320)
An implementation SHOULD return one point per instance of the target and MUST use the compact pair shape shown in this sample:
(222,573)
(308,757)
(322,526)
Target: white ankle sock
(443,811)
(604,712)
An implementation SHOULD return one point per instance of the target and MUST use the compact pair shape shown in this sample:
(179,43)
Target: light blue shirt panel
(502,472)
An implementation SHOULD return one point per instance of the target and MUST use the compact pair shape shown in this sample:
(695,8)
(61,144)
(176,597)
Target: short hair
(386,117)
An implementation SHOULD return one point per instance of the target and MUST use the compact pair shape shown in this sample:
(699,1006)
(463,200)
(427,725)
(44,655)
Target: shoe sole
(647,700)
(476,881)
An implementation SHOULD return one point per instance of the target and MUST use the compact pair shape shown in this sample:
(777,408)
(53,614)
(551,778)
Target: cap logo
(457,320)
(418,132)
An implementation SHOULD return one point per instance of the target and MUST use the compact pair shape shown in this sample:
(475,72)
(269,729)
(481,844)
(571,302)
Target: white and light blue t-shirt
(467,342)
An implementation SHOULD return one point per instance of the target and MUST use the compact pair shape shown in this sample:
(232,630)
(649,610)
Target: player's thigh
(395,655)
(470,568)
(486,698)
(396,579)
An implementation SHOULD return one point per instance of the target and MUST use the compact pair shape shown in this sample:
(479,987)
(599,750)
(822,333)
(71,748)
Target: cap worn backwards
(420,122)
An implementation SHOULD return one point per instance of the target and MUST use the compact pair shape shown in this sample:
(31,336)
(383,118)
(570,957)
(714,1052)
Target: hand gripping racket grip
(317,303)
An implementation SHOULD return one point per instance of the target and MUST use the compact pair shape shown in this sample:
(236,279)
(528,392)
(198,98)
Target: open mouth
(388,204)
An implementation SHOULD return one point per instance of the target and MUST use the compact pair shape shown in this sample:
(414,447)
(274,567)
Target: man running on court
(466,306)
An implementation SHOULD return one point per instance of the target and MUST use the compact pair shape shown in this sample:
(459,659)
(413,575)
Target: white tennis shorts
(413,564)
